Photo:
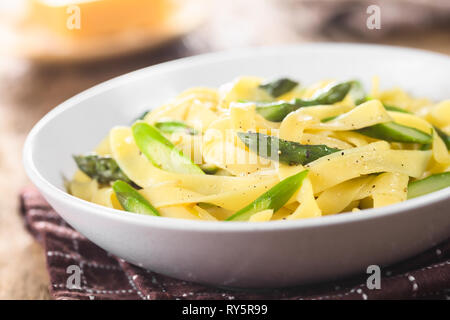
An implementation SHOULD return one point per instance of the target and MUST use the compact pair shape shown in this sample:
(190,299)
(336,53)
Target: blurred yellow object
(92,18)
(60,31)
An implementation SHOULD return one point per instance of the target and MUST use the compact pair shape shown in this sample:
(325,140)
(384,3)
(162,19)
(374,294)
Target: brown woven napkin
(104,276)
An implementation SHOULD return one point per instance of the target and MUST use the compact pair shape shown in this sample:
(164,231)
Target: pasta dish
(257,150)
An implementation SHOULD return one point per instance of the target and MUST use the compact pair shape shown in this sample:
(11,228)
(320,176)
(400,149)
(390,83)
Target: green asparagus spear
(160,151)
(277,111)
(273,199)
(430,184)
(445,137)
(278,87)
(396,109)
(103,169)
(142,116)
(394,132)
(328,119)
(131,200)
(175,126)
(390,107)
(425,147)
(207,205)
(289,152)
(357,92)
(330,94)
(209,168)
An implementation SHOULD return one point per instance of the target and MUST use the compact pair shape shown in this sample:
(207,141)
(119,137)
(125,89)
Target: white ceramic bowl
(239,254)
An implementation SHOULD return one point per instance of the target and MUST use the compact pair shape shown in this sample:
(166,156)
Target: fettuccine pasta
(233,153)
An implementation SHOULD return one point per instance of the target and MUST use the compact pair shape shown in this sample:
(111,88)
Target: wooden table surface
(28,91)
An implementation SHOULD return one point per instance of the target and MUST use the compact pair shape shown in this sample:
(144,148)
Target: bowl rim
(48,188)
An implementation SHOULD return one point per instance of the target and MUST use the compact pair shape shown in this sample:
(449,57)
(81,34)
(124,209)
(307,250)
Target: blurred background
(53,49)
